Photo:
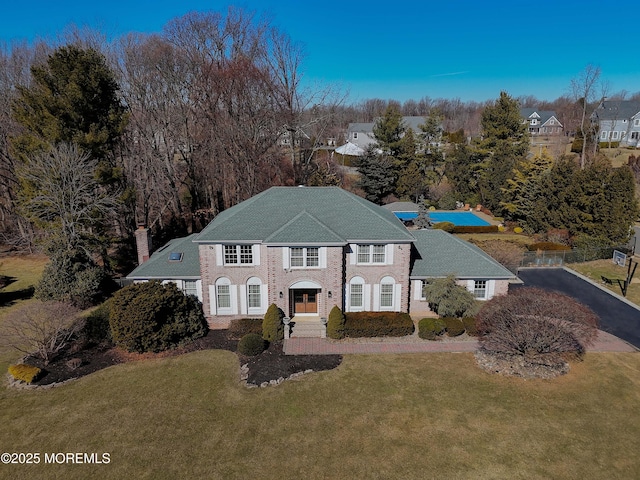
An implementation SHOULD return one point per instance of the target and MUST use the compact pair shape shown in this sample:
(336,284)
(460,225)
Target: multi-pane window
(636,122)
(253,294)
(304,257)
(371,254)
(356,295)
(634,135)
(386,295)
(224,296)
(480,289)
(190,288)
(238,254)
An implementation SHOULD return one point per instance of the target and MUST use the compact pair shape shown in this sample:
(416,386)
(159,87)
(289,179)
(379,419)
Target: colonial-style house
(308,249)
(618,121)
(541,122)
(361,134)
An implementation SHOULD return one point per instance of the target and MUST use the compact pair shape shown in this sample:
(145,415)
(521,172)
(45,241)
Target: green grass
(597,269)
(413,416)
(385,416)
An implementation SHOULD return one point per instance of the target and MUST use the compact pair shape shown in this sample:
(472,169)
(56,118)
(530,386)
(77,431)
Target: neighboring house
(361,134)
(618,121)
(440,254)
(541,122)
(308,249)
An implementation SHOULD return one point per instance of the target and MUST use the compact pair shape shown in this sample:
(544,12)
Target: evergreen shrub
(378,324)
(96,328)
(454,326)
(272,326)
(251,344)
(151,317)
(470,326)
(24,372)
(239,327)
(430,328)
(335,324)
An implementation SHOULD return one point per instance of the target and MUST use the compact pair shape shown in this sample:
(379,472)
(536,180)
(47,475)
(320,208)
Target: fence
(556,258)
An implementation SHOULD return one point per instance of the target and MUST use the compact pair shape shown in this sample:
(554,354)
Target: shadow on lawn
(9,298)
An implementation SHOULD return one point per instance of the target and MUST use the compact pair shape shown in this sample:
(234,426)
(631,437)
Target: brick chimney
(143,243)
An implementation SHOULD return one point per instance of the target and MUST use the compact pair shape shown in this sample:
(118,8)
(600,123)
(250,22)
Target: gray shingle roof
(441,254)
(544,115)
(159,266)
(295,215)
(616,109)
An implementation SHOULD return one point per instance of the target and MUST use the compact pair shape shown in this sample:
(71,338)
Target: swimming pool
(467,219)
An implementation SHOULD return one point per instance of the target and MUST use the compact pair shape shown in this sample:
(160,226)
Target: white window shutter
(367,297)
(255,250)
(322,253)
(347,297)
(199,289)
(212,299)
(417,289)
(243,299)
(285,257)
(389,253)
(233,294)
(397,295)
(219,255)
(264,297)
(491,289)
(354,253)
(376,297)
(471,285)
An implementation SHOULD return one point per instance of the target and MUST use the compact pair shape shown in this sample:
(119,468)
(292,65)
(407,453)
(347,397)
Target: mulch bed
(271,365)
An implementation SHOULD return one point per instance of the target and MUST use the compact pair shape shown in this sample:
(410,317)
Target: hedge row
(377,324)
(547,246)
(431,328)
(475,229)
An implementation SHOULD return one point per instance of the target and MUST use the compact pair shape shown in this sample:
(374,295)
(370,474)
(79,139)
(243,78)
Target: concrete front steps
(307,327)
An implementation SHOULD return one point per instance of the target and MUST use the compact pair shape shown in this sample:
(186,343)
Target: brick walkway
(321,346)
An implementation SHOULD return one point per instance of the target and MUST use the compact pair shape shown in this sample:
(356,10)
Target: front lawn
(385,416)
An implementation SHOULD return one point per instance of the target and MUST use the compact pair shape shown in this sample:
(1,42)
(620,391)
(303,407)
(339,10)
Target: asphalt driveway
(616,317)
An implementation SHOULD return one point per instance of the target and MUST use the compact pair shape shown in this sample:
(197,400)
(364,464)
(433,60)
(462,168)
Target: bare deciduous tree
(43,328)
(584,88)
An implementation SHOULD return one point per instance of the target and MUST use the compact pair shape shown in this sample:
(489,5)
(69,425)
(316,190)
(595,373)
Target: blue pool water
(467,219)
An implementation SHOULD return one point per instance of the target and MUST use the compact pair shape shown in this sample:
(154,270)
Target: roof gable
(441,254)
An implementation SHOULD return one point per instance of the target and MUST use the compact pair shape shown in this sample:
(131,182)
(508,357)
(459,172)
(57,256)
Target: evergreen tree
(504,144)
(378,175)
(389,130)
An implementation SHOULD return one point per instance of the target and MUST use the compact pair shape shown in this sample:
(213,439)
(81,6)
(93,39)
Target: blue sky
(399,50)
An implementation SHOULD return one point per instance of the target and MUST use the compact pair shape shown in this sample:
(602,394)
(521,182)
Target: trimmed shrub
(251,344)
(475,229)
(25,373)
(470,326)
(454,326)
(151,317)
(446,226)
(96,328)
(272,326)
(378,324)
(430,328)
(547,246)
(335,323)
(239,327)
(517,230)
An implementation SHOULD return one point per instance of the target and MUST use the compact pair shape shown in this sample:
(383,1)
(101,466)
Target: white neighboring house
(541,122)
(361,134)
(618,121)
